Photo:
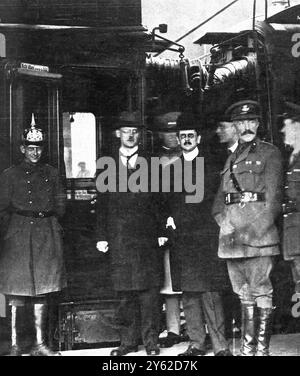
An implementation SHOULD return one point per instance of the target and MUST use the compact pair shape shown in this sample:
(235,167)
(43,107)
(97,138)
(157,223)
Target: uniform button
(29,192)
(31,222)
(27,172)
(30,202)
(28,181)
(46,180)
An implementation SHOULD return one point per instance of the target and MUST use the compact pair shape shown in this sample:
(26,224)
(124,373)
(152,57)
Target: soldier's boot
(15,349)
(264,331)
(40,348)
(248,340)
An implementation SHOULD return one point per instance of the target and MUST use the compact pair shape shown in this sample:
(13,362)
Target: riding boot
(15,349)
(264,331)
(248,345)
(40,348)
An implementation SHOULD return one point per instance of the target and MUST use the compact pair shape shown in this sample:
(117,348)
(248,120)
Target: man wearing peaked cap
(246,207)
(291,218)
(31,261)
(244,110)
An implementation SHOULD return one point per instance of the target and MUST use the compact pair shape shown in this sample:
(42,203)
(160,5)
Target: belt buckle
(41,215)
(246,197)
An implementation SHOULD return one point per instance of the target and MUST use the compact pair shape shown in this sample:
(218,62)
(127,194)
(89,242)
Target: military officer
(31,260)
(128,226)
(246,206)
(291,220)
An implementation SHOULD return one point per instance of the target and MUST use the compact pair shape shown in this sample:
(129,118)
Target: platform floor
(281,345)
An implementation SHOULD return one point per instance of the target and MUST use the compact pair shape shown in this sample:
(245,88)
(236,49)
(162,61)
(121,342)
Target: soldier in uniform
(128,226)
(291,220)
(246,206)
(31,260)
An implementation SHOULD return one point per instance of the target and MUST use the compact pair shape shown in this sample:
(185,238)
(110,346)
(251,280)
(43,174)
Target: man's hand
(226,227)
(102,246)
(171,223)
(162,241)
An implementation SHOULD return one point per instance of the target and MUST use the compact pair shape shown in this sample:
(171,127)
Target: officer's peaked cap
(166,122)
(292,111)
(33,135)
(244,110)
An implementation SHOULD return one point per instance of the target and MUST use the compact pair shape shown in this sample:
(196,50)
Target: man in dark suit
(246,207)
(202,274)
(128,225)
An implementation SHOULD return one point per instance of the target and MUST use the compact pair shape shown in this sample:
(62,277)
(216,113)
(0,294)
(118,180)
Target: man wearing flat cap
(202,274)
(32,199)
(128,227)
(291,217)
(246,207)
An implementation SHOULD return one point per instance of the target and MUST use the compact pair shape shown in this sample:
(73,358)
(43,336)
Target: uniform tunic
(257,169)
(291,228)
(31,258)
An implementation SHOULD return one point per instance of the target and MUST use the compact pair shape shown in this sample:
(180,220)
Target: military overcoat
(291,212)
(31,255)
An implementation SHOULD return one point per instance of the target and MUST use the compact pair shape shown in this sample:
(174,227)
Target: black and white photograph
(149,180)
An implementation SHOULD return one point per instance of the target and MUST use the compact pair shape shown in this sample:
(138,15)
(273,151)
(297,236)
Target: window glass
(79,144)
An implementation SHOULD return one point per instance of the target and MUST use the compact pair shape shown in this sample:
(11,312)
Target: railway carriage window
(79,131)
(2,45)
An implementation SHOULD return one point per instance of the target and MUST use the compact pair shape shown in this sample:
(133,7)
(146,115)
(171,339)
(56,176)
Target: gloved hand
(162,241)
(102,246)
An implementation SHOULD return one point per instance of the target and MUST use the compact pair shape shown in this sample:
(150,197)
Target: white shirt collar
(190,156)
(128,152)
(233,147)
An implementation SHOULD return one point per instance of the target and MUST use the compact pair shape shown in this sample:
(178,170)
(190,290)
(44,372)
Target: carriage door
(34,90)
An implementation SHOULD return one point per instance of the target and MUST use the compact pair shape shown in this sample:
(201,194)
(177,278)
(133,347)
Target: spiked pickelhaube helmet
(33,135)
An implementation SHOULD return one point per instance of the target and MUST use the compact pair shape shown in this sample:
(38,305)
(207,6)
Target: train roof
(286,19)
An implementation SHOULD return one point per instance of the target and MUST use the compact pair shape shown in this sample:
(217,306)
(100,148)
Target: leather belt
(34,214)
(244,197)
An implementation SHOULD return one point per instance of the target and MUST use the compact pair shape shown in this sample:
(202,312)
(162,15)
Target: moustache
(248,132)
(187,143)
